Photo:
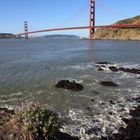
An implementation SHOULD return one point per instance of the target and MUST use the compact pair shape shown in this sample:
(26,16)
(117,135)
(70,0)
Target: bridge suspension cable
(110,10)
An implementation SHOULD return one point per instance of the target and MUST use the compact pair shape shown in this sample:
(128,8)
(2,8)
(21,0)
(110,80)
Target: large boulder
(72,85)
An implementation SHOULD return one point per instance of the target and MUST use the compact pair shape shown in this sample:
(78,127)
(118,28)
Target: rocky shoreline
(131,132)
(10,129)
(19,125)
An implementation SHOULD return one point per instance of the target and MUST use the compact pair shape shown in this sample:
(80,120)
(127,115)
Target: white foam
(107,121)
(82,66)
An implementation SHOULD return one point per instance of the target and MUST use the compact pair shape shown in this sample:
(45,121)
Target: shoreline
(131,132)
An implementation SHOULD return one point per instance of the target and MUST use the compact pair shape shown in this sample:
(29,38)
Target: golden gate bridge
(91,25)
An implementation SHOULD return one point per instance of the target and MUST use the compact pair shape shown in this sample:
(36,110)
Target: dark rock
(122,69)
(107,138)
(138,78)
(92,100)
(103,63)
(64,136)
(102,66)
(136,99)
(112,102)
(118,137)
(121,130)
(132,131)
(108,83)
(100,69)
(113,68)
(89,109)
(132,70)
(66,84)
(125,120)
(136,112)
(110,113)
(94,130)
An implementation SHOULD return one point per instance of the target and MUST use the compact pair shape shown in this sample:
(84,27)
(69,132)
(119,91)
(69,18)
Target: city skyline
(45,14)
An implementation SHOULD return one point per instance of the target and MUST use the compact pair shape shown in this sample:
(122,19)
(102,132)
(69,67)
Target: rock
(132,131)
(137,99)
(112,102)
(66,84)
(64,136)
(136,112)
(108,83)
(121,69)
(113,68)
(125,120)
(94,130)
(103,63)
(89,109)
(100,69)
(92,100)
(133,70)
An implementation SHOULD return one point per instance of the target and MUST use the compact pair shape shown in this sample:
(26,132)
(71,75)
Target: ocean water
(29,70)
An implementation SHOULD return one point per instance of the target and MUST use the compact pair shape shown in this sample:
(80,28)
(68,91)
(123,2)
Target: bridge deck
(86,27)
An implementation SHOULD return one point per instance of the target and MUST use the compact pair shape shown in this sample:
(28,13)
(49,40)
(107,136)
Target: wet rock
(125,120)
(66,84)
(100,69)
(64,136)
(94,130)
(113,68)
(132,131)
(110,113)
(112,102)
(130,70)
(136,99)
(92,100)
(108,83)
(107,138)
(103,63)
(89,109)
(136,112)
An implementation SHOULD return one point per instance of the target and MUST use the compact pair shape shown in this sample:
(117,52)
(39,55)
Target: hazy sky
(43,14)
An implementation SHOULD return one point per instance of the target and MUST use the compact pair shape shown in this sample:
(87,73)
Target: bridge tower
(92,19)
(26,29)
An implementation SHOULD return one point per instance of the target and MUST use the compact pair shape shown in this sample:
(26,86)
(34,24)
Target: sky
(44,14)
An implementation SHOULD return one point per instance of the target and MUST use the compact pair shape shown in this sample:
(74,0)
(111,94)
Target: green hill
(126,34)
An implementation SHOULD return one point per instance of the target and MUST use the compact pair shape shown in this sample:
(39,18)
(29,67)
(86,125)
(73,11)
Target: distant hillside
(59,36)
(128,34)
(6,35)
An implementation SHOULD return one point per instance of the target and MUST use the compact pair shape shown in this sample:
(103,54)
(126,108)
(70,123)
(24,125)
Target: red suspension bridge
(91,25)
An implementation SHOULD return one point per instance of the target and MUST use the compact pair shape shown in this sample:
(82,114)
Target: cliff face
(126,34)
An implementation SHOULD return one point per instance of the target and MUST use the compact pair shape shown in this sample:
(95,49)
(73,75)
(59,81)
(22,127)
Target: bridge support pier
(26,29)
(92,19)
(18,37)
